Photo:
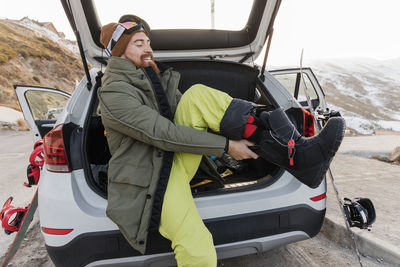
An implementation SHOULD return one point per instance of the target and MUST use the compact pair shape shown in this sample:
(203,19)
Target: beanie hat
(118,48)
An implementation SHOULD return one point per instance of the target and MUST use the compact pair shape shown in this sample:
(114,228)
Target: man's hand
(240,149)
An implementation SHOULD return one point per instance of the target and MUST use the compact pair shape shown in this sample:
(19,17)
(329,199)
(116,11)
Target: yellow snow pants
(202,108)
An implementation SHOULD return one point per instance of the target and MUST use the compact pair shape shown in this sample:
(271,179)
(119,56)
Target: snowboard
(25,222)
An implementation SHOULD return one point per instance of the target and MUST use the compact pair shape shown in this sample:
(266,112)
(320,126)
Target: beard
(146,60)
(150,63)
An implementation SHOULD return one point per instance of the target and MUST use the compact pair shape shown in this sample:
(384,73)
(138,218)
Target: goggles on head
(126,27)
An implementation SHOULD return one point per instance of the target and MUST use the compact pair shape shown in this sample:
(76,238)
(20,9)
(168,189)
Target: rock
(381,158)
(395,156)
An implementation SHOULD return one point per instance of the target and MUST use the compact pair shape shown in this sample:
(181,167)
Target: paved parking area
(356,175)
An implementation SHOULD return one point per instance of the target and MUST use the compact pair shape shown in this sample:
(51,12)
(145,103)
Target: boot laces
(279,142)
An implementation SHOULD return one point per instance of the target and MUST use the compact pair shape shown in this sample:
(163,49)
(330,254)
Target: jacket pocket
(127,196)
(132,175)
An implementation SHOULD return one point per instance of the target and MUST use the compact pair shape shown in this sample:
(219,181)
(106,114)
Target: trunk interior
(215,175)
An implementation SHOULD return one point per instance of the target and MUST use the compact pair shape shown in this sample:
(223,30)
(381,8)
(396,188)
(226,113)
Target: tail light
(55,157)
(308,123)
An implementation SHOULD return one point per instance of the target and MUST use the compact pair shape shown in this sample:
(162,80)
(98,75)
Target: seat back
(238,80)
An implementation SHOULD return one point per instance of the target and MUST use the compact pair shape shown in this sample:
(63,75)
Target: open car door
(293,81)
(41,107)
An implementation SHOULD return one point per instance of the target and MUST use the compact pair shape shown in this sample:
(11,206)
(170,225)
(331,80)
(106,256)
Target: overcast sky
(323,28)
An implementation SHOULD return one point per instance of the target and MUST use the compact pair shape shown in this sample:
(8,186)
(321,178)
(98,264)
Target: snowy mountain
(365,91)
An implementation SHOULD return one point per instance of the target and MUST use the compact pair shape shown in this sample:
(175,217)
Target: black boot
(307,159)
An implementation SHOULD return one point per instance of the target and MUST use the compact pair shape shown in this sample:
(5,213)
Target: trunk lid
(240,45)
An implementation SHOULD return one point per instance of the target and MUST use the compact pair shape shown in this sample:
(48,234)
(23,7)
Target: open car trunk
(214,176)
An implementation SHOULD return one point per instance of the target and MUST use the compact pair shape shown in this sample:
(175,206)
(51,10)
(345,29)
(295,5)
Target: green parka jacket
(141,141)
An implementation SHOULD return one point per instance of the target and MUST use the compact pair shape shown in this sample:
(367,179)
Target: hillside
(33,53)
(365,91)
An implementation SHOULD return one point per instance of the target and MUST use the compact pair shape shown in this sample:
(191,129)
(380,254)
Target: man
(157,138)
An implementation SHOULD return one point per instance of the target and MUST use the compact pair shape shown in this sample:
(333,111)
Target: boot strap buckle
(291,151)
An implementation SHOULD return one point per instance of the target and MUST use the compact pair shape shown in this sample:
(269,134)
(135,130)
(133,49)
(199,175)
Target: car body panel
(236,249)
(237,235)
(79,103)
(88,212)
(61,195)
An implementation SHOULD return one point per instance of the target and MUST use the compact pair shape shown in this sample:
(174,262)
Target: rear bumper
(233,236)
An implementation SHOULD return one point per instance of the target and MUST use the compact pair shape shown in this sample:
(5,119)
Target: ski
(24,225)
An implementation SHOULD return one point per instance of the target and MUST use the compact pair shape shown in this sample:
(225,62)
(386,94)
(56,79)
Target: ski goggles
(126,27)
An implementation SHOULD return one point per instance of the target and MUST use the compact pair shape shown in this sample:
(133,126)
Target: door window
(45,105)
(295,85)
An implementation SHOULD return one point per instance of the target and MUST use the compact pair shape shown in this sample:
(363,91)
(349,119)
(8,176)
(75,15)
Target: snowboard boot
(306,158)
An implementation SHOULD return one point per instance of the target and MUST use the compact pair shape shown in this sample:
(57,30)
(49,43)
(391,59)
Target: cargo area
(215,175)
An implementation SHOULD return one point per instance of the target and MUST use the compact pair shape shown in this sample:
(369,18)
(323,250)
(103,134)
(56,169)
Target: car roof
(239,45)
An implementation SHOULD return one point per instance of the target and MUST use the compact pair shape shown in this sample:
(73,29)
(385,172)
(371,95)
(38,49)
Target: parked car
(53,113)
(250,210)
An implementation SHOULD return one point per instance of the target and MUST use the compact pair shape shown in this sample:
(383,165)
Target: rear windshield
(179,14)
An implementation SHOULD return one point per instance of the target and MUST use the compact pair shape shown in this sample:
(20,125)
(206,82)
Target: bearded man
(157,137)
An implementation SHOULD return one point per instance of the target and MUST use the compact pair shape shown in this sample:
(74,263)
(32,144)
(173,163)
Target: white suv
(247,210)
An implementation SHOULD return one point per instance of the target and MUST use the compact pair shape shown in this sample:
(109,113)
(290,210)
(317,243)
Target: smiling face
(139,50)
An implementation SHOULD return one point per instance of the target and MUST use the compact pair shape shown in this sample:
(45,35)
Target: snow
(367,126)
(49,34)
(374,84)
(10,115)
(389,125)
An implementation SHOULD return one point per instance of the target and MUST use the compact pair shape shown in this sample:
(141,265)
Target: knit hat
(118,48)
